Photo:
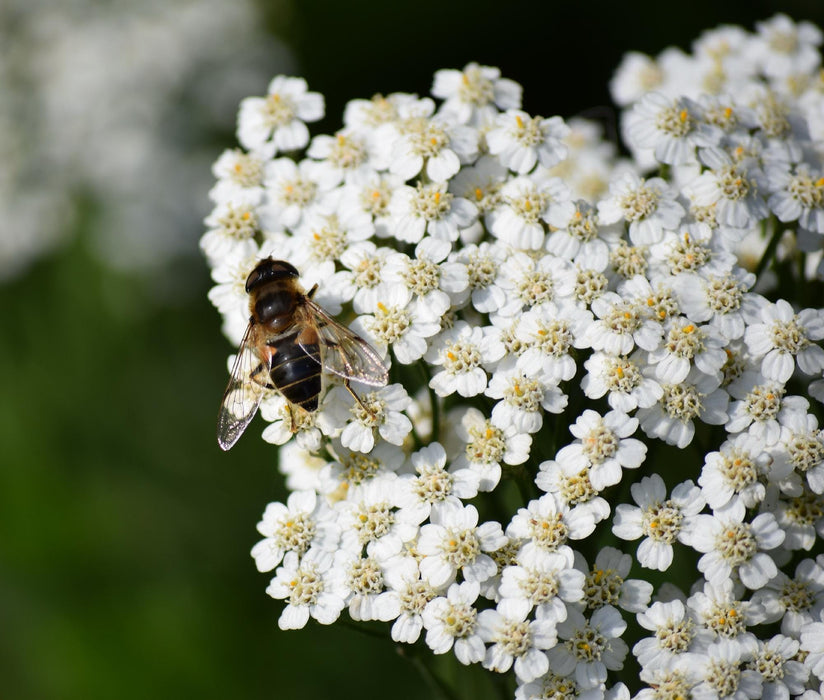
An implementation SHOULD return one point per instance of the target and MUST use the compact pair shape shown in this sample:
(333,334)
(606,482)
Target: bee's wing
(343,352)
(242,396)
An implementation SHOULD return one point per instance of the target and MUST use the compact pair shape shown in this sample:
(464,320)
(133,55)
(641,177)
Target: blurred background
(124,531)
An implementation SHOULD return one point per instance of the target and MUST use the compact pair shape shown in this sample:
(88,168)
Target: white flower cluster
(93,102)
(522,281)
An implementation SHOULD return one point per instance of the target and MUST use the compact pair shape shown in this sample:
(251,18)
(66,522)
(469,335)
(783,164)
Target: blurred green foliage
(124,565)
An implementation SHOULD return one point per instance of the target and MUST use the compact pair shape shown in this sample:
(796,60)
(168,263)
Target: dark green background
(124,532)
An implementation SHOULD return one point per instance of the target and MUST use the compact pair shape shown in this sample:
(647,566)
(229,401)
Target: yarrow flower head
(565,369)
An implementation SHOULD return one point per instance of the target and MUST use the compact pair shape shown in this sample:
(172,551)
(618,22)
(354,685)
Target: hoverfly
(289,342)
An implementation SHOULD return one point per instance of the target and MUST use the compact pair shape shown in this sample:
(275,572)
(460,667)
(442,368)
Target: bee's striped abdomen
(296,372)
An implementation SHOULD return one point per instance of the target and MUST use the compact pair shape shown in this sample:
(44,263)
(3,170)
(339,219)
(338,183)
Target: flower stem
(769,251)
(433,402)
(437,684)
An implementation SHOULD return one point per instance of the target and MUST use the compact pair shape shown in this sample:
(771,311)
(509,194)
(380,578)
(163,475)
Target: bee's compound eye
(268,271)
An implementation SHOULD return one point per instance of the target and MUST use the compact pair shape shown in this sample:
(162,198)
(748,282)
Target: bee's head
(269,270)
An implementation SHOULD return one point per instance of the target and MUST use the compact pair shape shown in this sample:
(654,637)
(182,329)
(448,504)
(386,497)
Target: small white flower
(371,192)
(782,46)
(548,334)
(429,209)
(351,469)
(370,518)
(233,225)
(671,128)
(733,546)
(579,236)
(648,207)
(309,589)
(572,486)
(515,640)
(545,581)
(760,406)
(451,621)
(488,445)
(801,448)
(797,196)
(529,283)
(720,609)
(433,279)
(432,483)
(731,188)
(800,517)
(286,422)
(733,473)
(589,647)
(302,523)
(784,338)
(461,353)
(672,418)
(812,641)
(622,379)
(398,323)
(675,633)
(621,324)
(607,583)
(636,75)
(238,174)
(434,145)
(326,232)
(342,155)
(684,346)
(519,220)
(412,594)
(360,281)
(292,190)
(720,299)
(454,542)
(546,525)
(659,520)
(521,141)
(472,95)
(301,468)
(276,123)
(482,265)
(603,444)
(724,674)
(774,659)
(363,578)
(380,412)
(523,400)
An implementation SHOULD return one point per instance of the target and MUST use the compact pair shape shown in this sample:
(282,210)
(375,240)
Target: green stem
(433,402)
(437,684)
(802,278)
(769,251)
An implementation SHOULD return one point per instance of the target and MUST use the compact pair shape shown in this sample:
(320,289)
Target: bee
(289,342)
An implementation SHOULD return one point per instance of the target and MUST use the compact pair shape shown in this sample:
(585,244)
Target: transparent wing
(343,352)
(243,394)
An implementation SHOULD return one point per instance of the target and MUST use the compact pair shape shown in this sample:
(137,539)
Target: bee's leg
(264,380)
(312,291)
(358,398)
